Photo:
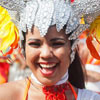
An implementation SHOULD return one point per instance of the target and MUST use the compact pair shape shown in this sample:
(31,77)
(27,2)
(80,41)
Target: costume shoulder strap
(26,89)
(73,91)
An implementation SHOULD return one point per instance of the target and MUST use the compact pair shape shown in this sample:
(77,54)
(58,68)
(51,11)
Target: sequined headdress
(44,13)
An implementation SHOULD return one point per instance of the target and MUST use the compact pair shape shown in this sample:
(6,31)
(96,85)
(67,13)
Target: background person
(91,65)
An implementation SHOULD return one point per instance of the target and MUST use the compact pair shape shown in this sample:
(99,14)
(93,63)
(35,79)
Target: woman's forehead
(52,32)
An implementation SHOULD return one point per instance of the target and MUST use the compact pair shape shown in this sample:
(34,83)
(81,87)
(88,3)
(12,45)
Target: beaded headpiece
(76,15)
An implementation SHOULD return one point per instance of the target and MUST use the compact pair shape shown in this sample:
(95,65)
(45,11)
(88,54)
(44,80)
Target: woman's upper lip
(47,62)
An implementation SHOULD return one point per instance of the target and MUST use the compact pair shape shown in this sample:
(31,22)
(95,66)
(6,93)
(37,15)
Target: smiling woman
(49,39)
(48,59)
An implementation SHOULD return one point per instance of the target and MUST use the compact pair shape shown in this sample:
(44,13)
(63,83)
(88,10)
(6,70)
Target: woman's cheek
(62,52)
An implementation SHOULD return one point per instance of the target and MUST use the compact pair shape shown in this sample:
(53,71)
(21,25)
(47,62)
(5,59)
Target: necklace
(56,92)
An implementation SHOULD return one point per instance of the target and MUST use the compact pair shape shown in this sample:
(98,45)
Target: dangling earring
(72,56)
(73,50)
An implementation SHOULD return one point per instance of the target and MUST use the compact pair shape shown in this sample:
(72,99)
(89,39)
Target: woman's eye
(35,44)
(58,44)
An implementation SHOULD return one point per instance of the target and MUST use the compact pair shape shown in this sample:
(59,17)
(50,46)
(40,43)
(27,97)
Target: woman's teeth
(47,65)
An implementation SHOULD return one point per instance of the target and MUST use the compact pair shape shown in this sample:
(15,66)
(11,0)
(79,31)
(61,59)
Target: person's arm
(93,76)
(5,92)
(12,91)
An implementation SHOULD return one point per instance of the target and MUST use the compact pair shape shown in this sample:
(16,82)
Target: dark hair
(23,42)
(76,76)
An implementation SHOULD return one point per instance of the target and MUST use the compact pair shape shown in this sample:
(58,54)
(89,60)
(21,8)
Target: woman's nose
(46,52)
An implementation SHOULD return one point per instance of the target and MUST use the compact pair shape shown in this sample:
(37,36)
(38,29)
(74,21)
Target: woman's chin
(48,82)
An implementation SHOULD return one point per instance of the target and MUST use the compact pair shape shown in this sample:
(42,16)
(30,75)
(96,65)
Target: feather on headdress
(9,36)
(94,34)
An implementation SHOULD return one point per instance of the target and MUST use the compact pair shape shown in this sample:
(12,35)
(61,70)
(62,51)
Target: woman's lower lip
(47,72)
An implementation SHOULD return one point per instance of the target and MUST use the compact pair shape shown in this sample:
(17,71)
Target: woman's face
(48,57)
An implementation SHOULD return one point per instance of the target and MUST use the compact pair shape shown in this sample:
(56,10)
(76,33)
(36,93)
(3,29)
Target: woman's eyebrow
(32,39)
(56,39)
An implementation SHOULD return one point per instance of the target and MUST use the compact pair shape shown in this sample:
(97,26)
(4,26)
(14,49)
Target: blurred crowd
(90,64)
(13,67)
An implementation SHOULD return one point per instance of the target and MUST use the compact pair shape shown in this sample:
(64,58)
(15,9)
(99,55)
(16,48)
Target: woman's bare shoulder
(12,90)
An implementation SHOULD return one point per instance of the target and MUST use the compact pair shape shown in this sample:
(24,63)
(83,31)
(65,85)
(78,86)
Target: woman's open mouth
(47,69)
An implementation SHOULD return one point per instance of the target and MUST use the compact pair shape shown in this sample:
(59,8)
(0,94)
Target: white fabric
(95,85)
(63,79)
(93,67)
(84,94)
